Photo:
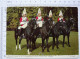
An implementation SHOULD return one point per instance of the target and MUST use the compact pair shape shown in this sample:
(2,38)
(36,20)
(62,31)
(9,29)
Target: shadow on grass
(45,46)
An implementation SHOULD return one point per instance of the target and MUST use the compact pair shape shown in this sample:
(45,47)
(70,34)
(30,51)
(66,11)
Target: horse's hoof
(52,48)
(29,53)
(35,47)
(69,46)
(19,48)
(42,50)
(63,46)
(16,47)
(48,51)
(57,47)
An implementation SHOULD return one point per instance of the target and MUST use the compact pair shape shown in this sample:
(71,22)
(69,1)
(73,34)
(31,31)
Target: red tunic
(37,18)
(21,20)
(58,19)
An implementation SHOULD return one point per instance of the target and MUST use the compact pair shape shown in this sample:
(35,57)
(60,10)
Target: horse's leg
(53,44)
(16,36)
(28,48)
(57,42)
(47,45)
(20,43)
(30,42)
(63,40)
(16,41)
(68,40)
(27,40)
(33,44)
(42,45)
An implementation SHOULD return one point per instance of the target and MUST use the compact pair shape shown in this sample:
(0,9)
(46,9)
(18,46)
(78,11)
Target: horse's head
(50,20)
(33,23)
(45,18)
(71,21)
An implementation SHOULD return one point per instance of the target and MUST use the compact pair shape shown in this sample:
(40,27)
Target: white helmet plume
(50,13)
(60,13)
(39,11)
(24,11)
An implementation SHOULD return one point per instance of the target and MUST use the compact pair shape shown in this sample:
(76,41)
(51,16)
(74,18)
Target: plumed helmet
(60,13)
(24,11)
(39,11)
(50,13)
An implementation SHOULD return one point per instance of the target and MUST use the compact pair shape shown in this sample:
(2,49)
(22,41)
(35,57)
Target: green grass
(73,50)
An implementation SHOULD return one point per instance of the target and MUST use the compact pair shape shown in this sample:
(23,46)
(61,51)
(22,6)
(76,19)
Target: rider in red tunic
(50,15)
(23,20)
(39,18)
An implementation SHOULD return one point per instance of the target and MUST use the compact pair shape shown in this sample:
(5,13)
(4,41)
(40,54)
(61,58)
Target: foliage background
(14,14)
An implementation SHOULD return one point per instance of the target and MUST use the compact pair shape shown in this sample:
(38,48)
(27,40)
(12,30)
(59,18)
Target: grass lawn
(73,50)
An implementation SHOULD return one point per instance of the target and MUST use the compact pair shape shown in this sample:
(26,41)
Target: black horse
(25,33)
(19,33)
(29,33)
(62,28)
(44,32)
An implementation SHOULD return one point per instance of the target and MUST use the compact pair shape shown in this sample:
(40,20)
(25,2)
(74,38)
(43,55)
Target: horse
(62,28)
(29,33)
(21,33)
(44,32)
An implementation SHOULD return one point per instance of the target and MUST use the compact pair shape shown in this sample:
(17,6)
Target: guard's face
(24,15)
(50,16)
(60,16)
(39,14)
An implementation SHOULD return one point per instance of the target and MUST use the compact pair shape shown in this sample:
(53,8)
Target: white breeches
(40,23)
(24,26)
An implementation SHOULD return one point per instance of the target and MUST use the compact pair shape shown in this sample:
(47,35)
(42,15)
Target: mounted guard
(39,18)
(61,19)
(50,16)
(23,20)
